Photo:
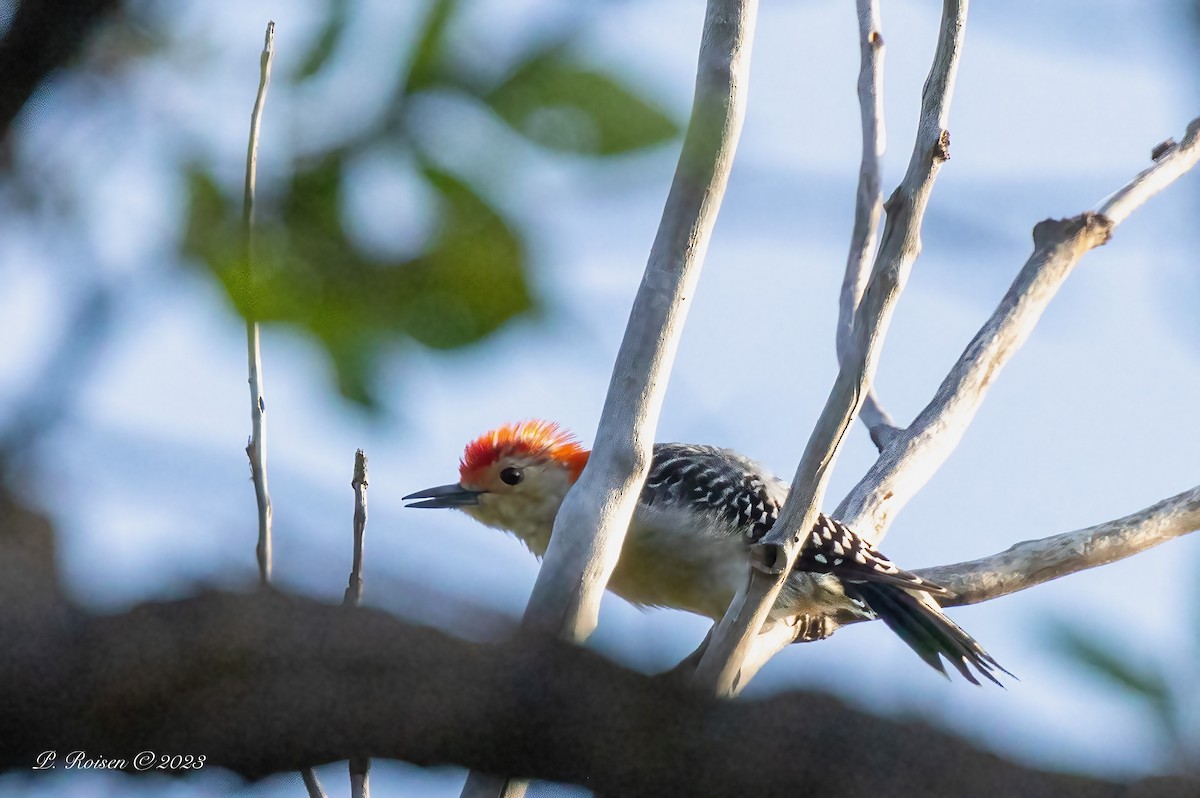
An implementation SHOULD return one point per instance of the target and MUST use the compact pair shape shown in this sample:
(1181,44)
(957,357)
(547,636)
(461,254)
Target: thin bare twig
(773,557)
(360,766)
(918,451)
(256,448)
(868,206)
(353,597)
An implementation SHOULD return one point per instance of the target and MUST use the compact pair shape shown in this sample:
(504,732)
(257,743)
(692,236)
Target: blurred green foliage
(567,107)
(1167,699)
(473,275)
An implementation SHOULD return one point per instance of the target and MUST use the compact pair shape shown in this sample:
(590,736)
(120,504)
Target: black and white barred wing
(833,548)
(741,496)
(902,600)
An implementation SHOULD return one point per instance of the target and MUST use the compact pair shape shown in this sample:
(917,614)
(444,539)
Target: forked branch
(918,451)
(773,557)
(1058,246)
(868,206)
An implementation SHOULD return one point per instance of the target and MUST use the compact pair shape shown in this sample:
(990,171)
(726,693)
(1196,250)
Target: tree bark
(264,683)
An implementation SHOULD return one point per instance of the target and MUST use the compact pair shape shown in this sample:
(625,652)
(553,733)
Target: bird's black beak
(444,496)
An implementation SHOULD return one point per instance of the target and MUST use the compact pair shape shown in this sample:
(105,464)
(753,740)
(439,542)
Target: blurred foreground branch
(44,36)
(265,683)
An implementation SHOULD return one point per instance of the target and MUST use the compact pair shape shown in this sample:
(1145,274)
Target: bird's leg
(810,628)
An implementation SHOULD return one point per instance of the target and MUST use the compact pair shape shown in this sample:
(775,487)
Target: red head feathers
(533,438)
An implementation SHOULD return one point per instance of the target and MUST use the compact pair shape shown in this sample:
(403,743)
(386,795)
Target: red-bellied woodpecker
(688,544)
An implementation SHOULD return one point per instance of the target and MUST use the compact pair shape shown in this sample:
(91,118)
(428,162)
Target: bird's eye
(511,476)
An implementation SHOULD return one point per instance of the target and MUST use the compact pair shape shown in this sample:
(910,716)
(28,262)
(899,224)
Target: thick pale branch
(268,683)
(916,453)
(733,638)
(1033,562)
(590,527)
(1023,565)
(868,205)
(591,524)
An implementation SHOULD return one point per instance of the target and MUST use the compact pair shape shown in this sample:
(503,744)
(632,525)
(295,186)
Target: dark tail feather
(926,630)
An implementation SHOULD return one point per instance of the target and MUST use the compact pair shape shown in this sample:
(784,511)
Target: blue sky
(1055,108)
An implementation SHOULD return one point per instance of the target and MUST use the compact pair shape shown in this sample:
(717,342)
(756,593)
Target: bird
(688,546)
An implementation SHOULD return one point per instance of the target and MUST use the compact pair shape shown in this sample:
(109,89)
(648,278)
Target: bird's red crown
(532,438)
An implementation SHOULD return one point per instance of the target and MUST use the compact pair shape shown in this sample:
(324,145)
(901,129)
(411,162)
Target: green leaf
(1144,682)
(473,279)
(309,274)
(332,28)
(567,107)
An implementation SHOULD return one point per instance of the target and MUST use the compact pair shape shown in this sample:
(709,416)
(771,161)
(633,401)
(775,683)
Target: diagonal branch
(868,206)
(918,451)
(590,527)
(591,524)
(1033,562)
(773,557)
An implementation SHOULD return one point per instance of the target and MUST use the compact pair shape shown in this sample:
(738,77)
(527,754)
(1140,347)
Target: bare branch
(774,556)
(259,684)
(590,527)
(917,452)
(868,205)
(353,597)
(256,449)
(1021,566)
(360,766)
(1036,561)
(311,783)
(40,38)
(1033,562)
(591,524)
(1171,162)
